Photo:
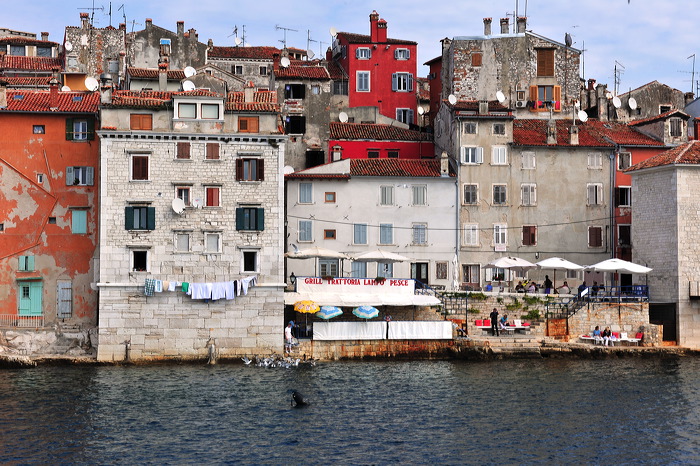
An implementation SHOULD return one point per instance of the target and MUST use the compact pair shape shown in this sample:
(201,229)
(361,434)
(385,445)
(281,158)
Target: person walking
(494,322)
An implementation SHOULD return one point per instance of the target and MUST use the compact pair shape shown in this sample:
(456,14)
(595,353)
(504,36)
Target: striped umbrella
(328,312)
(366,312)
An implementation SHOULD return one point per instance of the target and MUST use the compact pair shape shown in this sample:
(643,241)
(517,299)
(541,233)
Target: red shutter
(261,170)
(212,151)
(183,150)
(212,197)
(557,98)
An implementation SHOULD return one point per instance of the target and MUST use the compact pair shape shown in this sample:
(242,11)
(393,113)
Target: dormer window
(198,110)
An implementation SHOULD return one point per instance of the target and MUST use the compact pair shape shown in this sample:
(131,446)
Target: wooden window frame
(141,121)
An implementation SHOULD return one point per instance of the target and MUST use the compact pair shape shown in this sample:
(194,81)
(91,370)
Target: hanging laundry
(150,286)
(166,285)
(230,288)
(246,282)
(201,290)
(172,285)
(218,290)
(186,288)
(159,286)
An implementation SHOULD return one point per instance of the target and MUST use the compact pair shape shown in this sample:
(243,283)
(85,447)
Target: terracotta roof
(198,93)
(394,167)
(263,101)
(363,39)
(335,71)
(141,99)
(654,82)
(434,60)
(325,176)
(533,132)
(152,73)
(685,154)
(375,132)
(38,101)
(473,105)
(27,41)
(28,81)
(303,69)
(659,117)
(255,53)
(14,62)
(621,133)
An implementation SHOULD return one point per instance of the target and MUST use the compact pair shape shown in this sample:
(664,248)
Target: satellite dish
(189,72)
(68,46)
(583,116)
(343,117)
(91,83)
(500,96)
(65,89)
(452,99)
(284,62)
(238,41)
(197,203)
(567,39)
(188,86)
(632,103)
(616,102)
(608,95)
(310,54)
(421,110)
(577,104)
(288,169)
(333,31)
(178,205)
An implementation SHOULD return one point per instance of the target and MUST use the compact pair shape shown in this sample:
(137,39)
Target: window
(43,51)
(237,69)
(500,235)
(359,233)
(471,273)
(39,129)
(183,150)
(545,62)
(212,151)
(401,82)
(26,264)
(528,160)
(295,124)
(250,261)
(664,109)
(52,221)
(328,234)
(623,196)
(529,235)
(595,237)
(392,154)
(624,160)
(359,269)
(471,193)
(402,54)
(78,222)
(499,128)
(594,194)
(250,218)
(140,121)
(139,168)
(140,218)
(363,53)
(441,270)
(624,235)
(363,81)
(263,71)
(499,194)
(139,261)
(528,194)
(404,115)
(306,193)
(386,195)
(419,194)
(340,88)
(675,127)
(471,234)
(385,269)
(470,128)
(420,234)
(248,124)
(305,231)
(250,169)
(212,195)
(80,130)
(472,154)
(80,176)
(328,267)
(477,58)
(595,161)
(40,178)
(386,233)
(17,50)
(294,91)
(329,198)
(212,243)
(186,110)
(499,155)
(182,242)
(372,153)
(545,98)
(210,111)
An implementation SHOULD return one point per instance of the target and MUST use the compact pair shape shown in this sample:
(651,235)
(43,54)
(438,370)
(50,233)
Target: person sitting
(607,337)
(597,338)
(519,288)
(503,322)
(564,289)
(532,288)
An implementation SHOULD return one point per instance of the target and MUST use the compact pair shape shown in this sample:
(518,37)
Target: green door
(30,298)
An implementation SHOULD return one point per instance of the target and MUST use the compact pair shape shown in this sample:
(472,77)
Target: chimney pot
(149,23)
(44,36)
(180,28)
(487,26)
(504,25)
(521,24)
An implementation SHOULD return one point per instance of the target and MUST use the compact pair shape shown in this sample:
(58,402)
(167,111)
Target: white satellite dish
(421,110)
(189,71)
(343,117)
(178,205)
(288,169)
(91,84)
(284,62)
(197,203)
(68,46)
(333,31)
(310,54)
(238,41)
(583,116)
(65,89)
(188,86)
(500,96)
(452,99)
(632,103)
(616,102)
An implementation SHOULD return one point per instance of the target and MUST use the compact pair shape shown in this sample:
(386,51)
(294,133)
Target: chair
(487,322)
(479,322)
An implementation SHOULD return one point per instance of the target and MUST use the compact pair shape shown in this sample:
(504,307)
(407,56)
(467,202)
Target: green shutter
(261,219)
(239,218)
(79,222)
(151,218)
(129,222)
(91,129)
(69,129)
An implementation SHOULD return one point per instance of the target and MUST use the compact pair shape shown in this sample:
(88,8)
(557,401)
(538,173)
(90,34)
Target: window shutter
(261,170)
(617,197)
(150,218)
(410,82)
(239,169)
(91,129)
(394,82)
(396,54)
(533,93)
(463,154)
(409,116)
(90,175)
(30,263)
(261,219)
(129,222)
(212,151)
(557,98)
(479,155)
(69,176)
(357,53)
(253,124)
(69,129)
(183,150)
(239,218)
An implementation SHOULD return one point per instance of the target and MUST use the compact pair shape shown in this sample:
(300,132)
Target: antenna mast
(692,79)
(284,41)
(617,75)
(309,39)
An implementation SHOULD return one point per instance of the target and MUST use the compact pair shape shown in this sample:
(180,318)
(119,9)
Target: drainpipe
(612,202)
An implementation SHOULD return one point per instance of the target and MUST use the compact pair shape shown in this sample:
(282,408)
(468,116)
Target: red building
(381,71)
(374,141)
(48,207)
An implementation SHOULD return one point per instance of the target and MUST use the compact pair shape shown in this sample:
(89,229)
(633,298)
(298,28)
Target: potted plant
(379,280)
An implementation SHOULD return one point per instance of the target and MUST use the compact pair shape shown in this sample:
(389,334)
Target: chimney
(163,76)
(106,88)
(504,25)
(591,84)
(522,24)
(276,62)
(574,135)
(689,97)
(180,28)
(122,26)
(444,164)
(149,23)
(193,34)
(53,93)
(487,26)
(602,101)
(3,96)
(84,20)
(44,36)
(483,107)
(551,132)
(381,31)
(249,92)
(373,20)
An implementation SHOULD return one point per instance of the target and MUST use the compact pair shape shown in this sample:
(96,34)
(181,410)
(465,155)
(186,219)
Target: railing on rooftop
(17,321)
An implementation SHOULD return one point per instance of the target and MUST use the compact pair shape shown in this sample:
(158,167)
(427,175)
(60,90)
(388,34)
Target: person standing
(494,322)
(547,285)
(288,338)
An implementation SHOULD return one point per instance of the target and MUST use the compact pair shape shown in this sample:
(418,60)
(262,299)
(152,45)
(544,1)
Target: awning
(336,299)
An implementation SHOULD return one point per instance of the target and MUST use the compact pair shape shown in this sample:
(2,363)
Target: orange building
(48,207)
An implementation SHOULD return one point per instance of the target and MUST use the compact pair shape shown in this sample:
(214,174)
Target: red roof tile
(335,71)
(473,105)
(254,53)
(14,62)
(394,167)
(38,101)
(685,154)
(375,132)
(263,101)
(198,93)
(303,69)
(659,117)
(533,132)
(26,81)
(363,39)
(140,99)
(27,41)
(152,73)
(621,133)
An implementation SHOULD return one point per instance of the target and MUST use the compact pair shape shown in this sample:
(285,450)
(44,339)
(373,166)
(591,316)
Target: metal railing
(17,321)
(448,300)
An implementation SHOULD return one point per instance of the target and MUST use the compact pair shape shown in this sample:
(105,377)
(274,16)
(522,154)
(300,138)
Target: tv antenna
(123,13)
(320,48)
(235,33)
(308,42)
(618,73)
(93,8)
(284,41)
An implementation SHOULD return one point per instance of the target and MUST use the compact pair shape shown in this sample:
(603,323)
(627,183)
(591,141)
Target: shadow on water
(529,411)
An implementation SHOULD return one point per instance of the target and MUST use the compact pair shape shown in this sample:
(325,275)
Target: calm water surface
(505,412)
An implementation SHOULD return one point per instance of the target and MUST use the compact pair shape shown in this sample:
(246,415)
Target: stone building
(252,64)
(27,62)
(192,199)
(650,100)
(184,49)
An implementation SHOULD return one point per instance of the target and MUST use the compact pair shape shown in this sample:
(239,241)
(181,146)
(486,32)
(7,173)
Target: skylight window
(77,98)
(18,97)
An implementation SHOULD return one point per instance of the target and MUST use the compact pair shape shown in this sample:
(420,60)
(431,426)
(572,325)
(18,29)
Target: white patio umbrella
(618,266)
(557,263)
(315,253)
(380,256)
(511,263)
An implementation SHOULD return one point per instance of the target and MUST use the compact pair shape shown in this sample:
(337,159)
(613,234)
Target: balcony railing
(17,321)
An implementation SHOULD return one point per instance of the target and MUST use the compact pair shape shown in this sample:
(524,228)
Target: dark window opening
(140,260)
(294,91)
(295,124)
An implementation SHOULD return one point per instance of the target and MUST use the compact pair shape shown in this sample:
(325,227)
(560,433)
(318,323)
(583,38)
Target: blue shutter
(91,129)
(129,218)
(357,53)
(150,218)
(69,176)
(396,54)
(239,218)
(90,175)
(69,129)
(261,219)
(394,82)
(409,116)
(410,82)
